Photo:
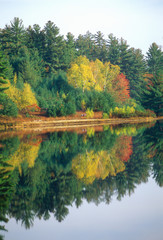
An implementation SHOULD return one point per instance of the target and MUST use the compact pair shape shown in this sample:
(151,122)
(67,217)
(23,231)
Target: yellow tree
(22,98)
(97,70)
(80,74)
(110,72)
(28,97)
(86,75)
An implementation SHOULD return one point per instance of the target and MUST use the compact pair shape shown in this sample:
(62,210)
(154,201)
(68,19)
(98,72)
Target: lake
(94,183)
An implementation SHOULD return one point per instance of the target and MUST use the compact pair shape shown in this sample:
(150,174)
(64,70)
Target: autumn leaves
(89,75)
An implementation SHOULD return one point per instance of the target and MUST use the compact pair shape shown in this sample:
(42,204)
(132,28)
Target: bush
(105,115)
(10,108)
(123,112)
(51,111)
(89,113)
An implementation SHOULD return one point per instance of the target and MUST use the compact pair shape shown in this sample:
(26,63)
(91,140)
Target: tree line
(38,66)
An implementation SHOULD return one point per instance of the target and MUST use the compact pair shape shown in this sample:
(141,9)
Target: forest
(41,69)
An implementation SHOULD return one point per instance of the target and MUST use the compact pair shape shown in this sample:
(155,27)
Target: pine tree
(154,59)
(153,94)
(135,73)
(70,52)
(85,45)
(54,45)
(100,51)
(35,38)
(2,74)
(113,50)
(12,36)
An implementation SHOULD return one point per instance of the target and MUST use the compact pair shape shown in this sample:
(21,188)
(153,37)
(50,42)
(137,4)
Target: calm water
(94,184)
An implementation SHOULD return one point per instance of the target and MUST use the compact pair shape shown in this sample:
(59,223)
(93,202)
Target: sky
(137,21)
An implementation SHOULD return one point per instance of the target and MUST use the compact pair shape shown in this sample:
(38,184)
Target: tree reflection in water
(41,175)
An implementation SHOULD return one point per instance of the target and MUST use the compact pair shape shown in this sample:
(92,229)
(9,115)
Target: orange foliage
(121,87)
(124,150)
(34,107)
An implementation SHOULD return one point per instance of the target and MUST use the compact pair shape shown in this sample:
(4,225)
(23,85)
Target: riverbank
(77,120)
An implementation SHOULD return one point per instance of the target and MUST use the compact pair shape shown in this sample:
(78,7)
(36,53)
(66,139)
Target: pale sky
(137,21)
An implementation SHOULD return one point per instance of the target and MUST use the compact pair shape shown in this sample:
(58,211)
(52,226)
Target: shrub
(105,115)
(51,111)
(89,113)
(124,111)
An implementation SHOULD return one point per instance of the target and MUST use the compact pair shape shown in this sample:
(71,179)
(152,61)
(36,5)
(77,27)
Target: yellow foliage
(25,153)
(127,130)
(80,76)
(110,72)
(83,105)
(15,79)
(28,97)
(91,165)
(97,70)
(90,132)
(89,113)
(82,60)
(86,75)
(22,98)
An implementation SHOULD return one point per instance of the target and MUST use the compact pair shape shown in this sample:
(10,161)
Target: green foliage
(55,180)
(9,107)
(122,112)
(51,111)
(154,59)
(39,57)
(105,116)
(153,91)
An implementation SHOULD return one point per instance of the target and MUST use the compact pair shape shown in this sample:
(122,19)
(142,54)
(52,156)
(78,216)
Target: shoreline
(32,123)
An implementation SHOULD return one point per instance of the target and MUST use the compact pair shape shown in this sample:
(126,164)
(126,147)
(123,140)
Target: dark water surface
(94,184)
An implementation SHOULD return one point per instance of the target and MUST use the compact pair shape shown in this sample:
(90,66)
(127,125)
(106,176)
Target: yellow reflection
(25,153)
(92,165)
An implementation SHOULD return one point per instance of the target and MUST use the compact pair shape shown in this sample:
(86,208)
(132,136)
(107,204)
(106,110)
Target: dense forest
(40,69)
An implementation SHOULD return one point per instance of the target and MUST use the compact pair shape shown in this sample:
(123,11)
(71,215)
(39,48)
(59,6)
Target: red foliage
(125,148)
(121,87)
(33,107)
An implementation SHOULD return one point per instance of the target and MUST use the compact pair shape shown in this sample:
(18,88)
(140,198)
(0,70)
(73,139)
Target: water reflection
(44,174)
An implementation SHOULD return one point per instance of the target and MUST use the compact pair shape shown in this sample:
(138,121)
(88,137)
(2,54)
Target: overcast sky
(137,21)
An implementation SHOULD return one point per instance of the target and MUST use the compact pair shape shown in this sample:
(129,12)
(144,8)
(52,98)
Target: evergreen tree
(153,94)
(85,45)
(154,59)
(2,75)
(28,67)
(35,38)
(113,50)
(54,44)
(125,57)
(100,51)
(135,73)
(70,52)
(12,36)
